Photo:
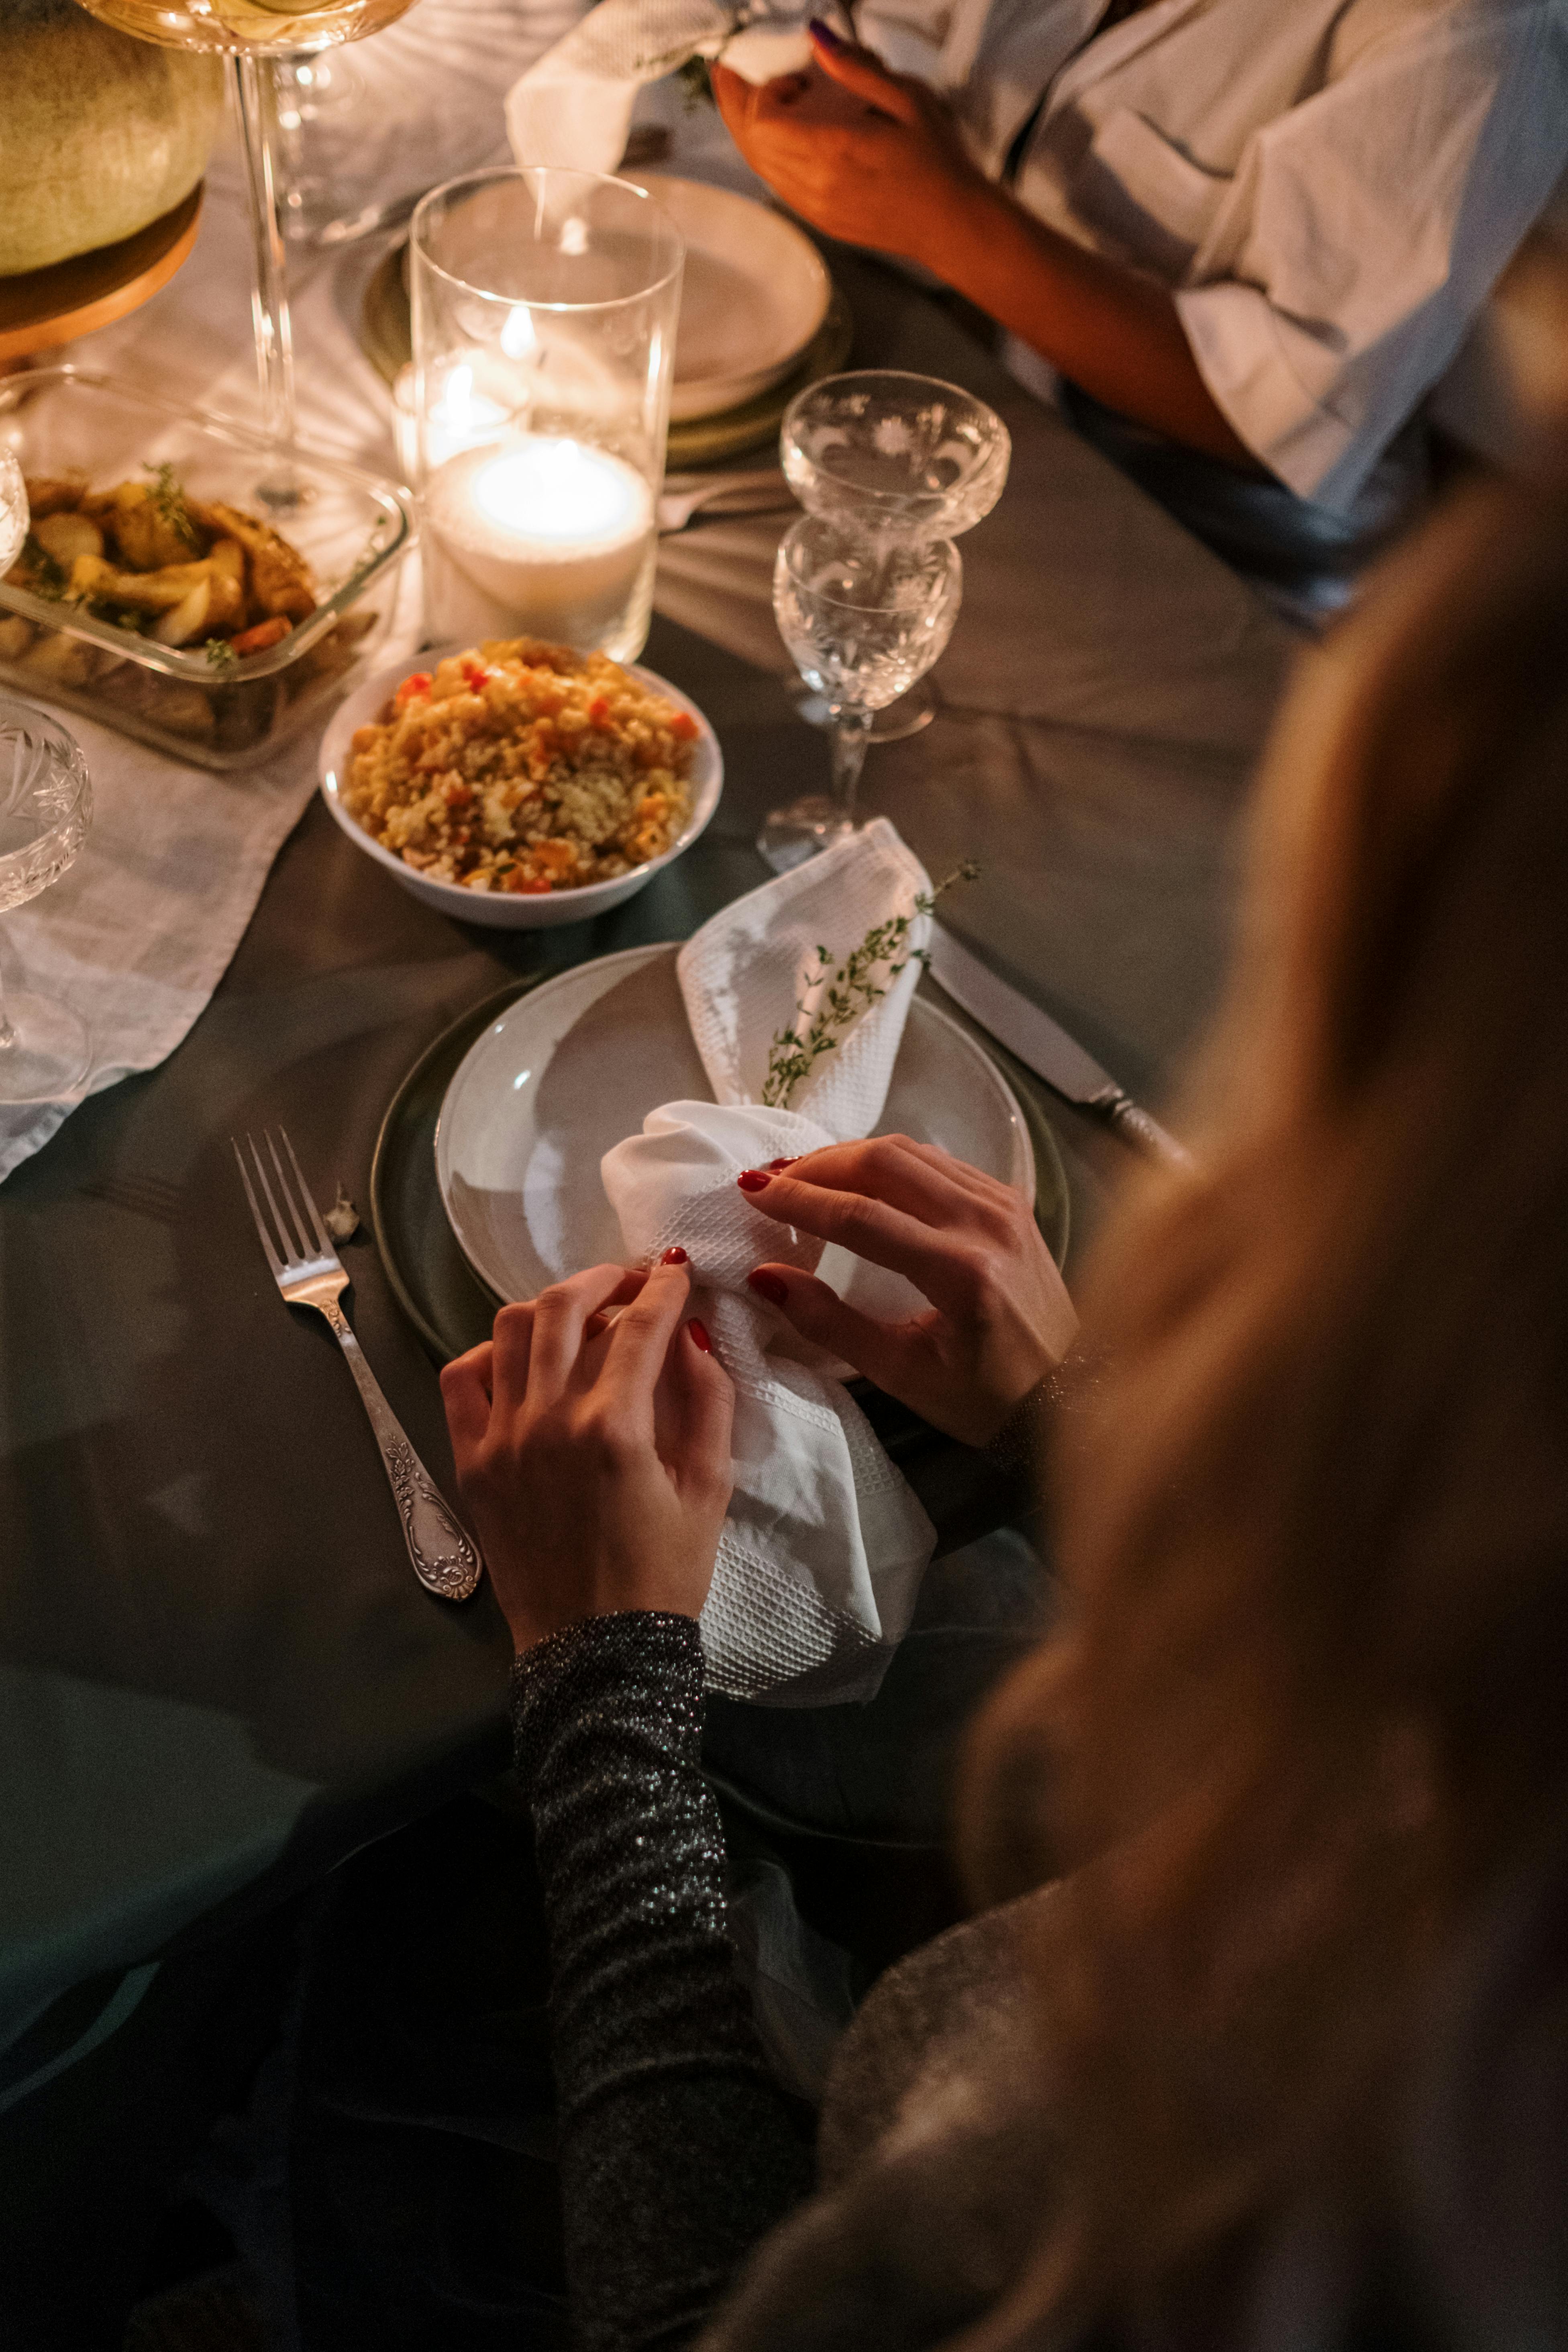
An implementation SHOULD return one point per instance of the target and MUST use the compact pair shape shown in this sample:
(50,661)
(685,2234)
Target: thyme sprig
(848,989)
(173,507)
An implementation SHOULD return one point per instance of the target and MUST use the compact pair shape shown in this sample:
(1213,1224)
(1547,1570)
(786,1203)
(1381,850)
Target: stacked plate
(753,298)
(760,319)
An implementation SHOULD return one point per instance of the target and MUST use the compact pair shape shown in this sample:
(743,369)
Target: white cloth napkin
(138,934)
(826,1543)
(573,105)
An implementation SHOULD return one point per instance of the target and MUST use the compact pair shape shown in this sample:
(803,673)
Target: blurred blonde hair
(1309,1693)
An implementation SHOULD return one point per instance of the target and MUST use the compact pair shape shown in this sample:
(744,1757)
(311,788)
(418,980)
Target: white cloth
(1329,187)
(826,1544)
(138,934)
(573,106)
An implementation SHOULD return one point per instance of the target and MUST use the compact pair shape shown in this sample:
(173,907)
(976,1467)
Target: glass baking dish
(221,713)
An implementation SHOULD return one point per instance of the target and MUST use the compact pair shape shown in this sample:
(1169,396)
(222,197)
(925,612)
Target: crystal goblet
(45,807)
(894,455)
(863,622)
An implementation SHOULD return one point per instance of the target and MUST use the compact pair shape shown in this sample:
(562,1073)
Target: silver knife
(1046,1048)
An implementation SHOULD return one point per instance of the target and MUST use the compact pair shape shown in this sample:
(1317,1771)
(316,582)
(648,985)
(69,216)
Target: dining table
(218,1676)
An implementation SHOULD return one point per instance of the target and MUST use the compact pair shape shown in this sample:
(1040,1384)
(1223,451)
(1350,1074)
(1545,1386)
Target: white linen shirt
(1329,187)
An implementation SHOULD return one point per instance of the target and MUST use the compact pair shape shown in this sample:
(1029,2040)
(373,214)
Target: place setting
(518,769)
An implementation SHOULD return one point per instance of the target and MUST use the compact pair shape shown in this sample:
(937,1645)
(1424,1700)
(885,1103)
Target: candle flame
(518,339)
(456,408)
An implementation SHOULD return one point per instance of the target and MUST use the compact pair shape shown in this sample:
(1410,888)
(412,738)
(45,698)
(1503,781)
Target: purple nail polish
(825,34)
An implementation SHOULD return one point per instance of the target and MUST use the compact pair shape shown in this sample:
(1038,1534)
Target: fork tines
(295,1237)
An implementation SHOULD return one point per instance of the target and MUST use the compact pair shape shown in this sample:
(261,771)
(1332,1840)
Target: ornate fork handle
(442,1553)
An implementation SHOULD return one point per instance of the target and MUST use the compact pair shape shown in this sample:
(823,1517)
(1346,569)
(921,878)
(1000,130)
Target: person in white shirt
(1249,236)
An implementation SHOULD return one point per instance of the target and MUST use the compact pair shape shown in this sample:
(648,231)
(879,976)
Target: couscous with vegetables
(523,766)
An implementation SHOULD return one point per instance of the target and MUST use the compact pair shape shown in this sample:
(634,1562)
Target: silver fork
(310,1272)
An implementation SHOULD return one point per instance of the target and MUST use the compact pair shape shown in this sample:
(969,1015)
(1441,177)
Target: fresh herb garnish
(850,989)
(220,653)
(173,507)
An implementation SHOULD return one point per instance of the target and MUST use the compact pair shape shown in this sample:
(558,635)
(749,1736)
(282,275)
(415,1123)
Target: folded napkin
(826,1544)
(573,105)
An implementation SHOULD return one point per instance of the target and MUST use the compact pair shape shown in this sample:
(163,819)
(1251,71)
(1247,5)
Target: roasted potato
(64,535)
(281,580)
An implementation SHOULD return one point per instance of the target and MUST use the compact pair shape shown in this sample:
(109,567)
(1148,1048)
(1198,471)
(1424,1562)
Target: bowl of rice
(519,784)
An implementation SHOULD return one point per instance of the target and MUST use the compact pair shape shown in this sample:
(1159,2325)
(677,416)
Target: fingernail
(825,34)
(754,1179)
(675,1255)
(769,1287)
(774,1165)
(699,1336)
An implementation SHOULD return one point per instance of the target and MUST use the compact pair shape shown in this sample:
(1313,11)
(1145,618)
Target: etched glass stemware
(45,807)
(258,35)
(893,456)
(863,622)
(895,453)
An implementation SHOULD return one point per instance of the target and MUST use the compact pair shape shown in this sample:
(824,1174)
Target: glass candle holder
(544,312)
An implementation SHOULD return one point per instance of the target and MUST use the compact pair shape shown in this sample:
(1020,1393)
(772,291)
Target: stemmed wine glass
(45,807)
(258,34)
(863,622)
(894,455)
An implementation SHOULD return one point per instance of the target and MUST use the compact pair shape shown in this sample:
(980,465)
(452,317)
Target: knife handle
(1135,1125)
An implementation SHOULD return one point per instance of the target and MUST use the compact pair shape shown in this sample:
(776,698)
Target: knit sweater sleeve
(677,2151)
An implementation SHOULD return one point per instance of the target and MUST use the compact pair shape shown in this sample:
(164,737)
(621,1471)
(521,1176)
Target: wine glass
(895,456)
(45,807)
(863,620)
(257,34)
(15,516)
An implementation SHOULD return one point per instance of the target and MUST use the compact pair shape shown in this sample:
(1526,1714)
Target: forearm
(1116,334)
(677,2151)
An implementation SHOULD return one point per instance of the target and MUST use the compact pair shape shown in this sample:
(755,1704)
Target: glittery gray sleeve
(677,2151)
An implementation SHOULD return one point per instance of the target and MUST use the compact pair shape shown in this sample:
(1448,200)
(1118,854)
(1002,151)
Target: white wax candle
(536,536)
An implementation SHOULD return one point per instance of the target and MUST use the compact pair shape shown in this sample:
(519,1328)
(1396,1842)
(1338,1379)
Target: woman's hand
(593,1455)
(864,155)
(1000,1317)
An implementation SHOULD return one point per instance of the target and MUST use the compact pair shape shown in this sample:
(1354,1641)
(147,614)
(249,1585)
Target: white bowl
(501,909)
(755,292)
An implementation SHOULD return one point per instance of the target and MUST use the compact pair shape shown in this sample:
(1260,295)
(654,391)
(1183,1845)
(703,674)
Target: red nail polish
(699,1336)
(768,1286)
(774,1165)
(754,1179)
(675,1255)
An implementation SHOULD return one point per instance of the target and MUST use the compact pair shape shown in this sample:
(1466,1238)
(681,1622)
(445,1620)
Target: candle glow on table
(540,536)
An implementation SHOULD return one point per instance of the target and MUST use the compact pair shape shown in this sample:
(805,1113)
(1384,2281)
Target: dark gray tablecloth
(216,1675)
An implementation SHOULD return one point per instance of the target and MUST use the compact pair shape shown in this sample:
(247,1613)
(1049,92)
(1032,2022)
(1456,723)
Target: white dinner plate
(576,1065)
(755,292)
(499,910)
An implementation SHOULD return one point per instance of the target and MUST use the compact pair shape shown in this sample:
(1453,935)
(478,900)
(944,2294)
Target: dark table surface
(217,1673)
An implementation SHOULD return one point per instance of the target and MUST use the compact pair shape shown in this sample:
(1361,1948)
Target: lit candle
(460,417)
(539,537)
